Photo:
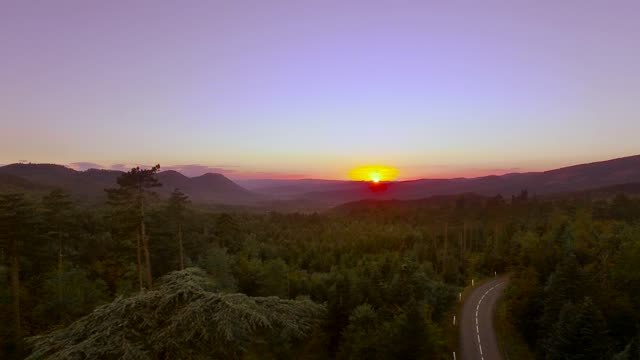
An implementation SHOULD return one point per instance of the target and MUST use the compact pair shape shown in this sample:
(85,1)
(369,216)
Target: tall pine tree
(176,208)
(17,217)
(58,209)
(132,196)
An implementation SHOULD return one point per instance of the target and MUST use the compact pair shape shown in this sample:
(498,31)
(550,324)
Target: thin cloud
(84,165)
(120,167)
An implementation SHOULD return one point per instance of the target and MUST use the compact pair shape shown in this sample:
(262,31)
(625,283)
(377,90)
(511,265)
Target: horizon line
(246,175)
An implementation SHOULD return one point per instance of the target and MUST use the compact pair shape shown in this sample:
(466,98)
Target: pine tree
(16,224)
(580,333)
(132,196)
(57,210)
(81,295)
(227,232)
(179,319)
(565,285)
(176,208)
(360,336)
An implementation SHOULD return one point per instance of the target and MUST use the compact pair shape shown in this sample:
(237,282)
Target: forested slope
(382,277)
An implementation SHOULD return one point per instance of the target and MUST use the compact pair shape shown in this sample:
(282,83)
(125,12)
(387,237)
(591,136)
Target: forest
(147,277)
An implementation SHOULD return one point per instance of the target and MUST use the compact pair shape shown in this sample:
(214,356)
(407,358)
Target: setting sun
(374,173)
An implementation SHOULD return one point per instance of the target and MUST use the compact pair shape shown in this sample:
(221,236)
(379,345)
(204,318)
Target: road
(477,335)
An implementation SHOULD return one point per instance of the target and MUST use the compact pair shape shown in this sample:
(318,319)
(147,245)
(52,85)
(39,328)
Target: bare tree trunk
(14,278)
(145,246)
(606,272)
(461,246)
(446,240)
(59,266)
(147,259)
(139,253)
(435,251)
(464,238)
(288,281)
(181,248)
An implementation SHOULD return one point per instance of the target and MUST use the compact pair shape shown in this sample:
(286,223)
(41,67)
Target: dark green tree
(217,263)
(58,209)
(407,334)
(580,333)
(360,337)
(566,284)
(80,295)
(16,229)
(227,232)
(180,319)
(176,209)
(133,196)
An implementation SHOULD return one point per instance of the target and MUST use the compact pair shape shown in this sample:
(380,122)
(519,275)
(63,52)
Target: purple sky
(314,88)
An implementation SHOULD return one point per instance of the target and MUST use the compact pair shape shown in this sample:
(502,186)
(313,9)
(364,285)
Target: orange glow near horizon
(374,173)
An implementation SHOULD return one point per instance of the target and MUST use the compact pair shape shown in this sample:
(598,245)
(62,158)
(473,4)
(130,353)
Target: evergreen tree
(176,208)
(565,285)
(132,196)
(180,319)
(58,209)
(579,334)
(16,229)
(273,279)
(360,337)
(227,232)
(81,295)
(217,263)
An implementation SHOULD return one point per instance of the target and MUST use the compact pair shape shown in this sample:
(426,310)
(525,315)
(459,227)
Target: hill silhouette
(607,176)
(90,184)
(569,179)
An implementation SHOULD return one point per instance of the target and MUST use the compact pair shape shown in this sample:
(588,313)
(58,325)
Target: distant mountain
(607,192)
(400,207)
(90,184)
(11,183)
(568,179)
(310,194)
(208,187)
(87,185)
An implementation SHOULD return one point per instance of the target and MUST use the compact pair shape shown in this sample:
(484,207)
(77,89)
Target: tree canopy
(180,318)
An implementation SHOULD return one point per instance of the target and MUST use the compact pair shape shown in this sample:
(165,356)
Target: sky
(312,89)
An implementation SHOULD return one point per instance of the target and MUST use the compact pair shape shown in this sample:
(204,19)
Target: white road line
(477,309)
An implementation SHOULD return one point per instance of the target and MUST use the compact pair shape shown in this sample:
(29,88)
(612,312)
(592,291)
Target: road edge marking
(477,310)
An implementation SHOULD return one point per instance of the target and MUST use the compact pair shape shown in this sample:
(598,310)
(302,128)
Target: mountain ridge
(217,188)
(90,184)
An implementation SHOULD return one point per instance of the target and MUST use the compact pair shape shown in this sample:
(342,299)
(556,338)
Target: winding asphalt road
(477,335)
